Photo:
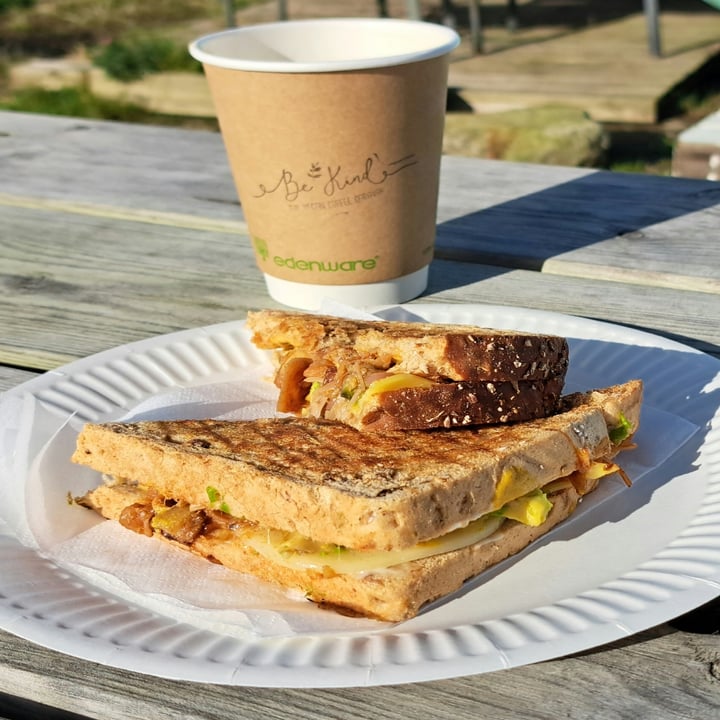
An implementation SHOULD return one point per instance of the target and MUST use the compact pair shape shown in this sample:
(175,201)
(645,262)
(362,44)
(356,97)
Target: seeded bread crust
(391,595)
(454,405)
(331,483)
(452,352)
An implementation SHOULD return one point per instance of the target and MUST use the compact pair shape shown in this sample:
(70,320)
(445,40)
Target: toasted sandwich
(376,529)
(380,376)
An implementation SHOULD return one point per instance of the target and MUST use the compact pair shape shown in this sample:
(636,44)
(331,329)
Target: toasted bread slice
(327,482)
(450,352)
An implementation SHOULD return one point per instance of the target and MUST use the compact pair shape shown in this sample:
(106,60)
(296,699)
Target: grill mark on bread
(329,454)
(329,496)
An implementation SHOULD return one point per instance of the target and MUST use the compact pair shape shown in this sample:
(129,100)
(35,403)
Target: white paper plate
(644,556)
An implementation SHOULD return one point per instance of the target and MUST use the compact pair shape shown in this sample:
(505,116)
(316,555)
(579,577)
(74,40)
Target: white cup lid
(324,45)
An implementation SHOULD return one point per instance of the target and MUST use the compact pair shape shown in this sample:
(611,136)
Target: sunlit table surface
(111,233)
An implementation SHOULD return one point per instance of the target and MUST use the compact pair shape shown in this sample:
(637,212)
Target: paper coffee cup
(333,129)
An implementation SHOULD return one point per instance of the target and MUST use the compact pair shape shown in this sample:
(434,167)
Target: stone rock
(551,135)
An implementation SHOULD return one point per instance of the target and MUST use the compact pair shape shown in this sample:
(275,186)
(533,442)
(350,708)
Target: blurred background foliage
(50,28)
(133,55)
(129,39)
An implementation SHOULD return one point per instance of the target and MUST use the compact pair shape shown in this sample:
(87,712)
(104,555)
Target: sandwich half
(380,376)
(376,528)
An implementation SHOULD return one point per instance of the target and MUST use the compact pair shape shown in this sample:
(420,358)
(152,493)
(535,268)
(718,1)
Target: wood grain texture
(589,224)
(111,233)
(619,81)
(677,314)
(136,167)
(12,377)
(72,285)
(574,222)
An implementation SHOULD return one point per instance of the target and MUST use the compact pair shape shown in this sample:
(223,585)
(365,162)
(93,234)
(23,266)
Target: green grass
(56,27)
(74,102)
(6,5)
(78,102)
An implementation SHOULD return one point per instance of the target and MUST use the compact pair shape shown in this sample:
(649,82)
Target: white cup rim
(431,41)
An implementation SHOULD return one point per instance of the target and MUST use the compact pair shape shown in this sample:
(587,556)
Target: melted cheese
(599,469)
(295,551)
(390,383)
(398,381)
(514,483)
(531,508)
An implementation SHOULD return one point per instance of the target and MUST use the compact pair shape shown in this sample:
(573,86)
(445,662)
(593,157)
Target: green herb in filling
(621,431)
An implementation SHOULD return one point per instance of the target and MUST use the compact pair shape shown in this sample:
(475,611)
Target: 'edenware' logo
(304,265)
(331,266)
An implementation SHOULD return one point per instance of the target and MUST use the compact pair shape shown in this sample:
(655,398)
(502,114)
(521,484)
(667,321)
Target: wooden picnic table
(112,233)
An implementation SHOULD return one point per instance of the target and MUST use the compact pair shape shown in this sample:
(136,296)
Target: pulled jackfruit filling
(337,382)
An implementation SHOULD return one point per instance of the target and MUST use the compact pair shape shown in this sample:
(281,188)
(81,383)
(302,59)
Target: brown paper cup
(333,130)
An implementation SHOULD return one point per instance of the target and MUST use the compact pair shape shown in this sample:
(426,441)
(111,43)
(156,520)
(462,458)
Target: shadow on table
(15,708)
(525,232)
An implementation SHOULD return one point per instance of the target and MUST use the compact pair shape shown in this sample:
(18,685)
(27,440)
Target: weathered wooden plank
(92,293)
(116,165)
(11,377)
(566,221)
(589,53)
(655,254)
(603,68)
(676,314)
(98,250)
(185,173)
(663,674)
(620,226)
